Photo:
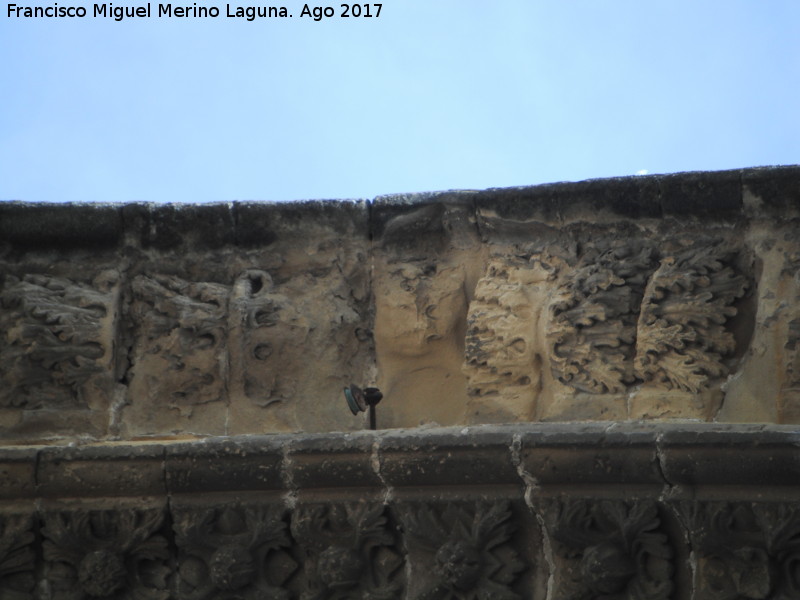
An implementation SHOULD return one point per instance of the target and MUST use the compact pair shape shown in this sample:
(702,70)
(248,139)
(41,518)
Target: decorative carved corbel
(114,553)
(463,551)
(232,552)
(17,557)
(610,549)
(349,552)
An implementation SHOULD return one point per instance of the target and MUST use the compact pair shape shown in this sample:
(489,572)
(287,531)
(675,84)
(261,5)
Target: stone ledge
(544,456)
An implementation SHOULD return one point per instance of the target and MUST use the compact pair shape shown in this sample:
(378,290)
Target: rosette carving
(17,557)
(745,550)
(349,552)
(611,549)
(463,552)
(106,554)
(232,552)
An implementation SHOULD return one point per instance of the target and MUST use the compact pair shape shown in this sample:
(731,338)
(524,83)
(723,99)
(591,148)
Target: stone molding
(516,511)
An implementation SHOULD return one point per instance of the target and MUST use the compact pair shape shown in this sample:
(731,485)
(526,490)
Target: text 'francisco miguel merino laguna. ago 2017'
(118,13)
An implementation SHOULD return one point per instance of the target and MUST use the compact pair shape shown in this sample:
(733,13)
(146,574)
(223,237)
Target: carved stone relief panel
(17,557)
(466,551)
(106,553)
(421,309)
(349,551)
(682,339)
(592,330)
(295,343)
(744,550)
(56,348)
(647,325)
(232,550)
(503,350)
(179,360)
(610,549)
(426,261)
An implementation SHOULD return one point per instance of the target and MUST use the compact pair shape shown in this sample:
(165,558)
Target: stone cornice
(682,460)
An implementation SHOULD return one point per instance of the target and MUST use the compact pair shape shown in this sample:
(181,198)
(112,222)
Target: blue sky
(432,95)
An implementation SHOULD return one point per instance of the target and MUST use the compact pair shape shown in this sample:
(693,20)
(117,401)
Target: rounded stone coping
(537,455)
(770,192)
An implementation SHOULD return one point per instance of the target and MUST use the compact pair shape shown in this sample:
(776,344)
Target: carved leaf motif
(465,552)
(745,550)
(182,329)
(54,339)
(106,553)
(617,549)
(592,328)
(501,323)
(17,557)
(350,552)
(682,338)
(233,552)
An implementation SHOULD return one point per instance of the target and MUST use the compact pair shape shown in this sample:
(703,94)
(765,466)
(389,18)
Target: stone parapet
(583,510)
(656,298)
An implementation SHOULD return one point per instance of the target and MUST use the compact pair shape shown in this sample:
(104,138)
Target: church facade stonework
(591,390)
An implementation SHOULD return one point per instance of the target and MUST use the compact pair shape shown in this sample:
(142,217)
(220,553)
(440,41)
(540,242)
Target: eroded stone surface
(654,298)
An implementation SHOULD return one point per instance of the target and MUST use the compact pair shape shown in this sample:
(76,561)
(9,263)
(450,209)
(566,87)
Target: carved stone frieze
(610,549)
(56,342)
(110,553)
(463,551)
(349,552)
(232,551)
(745,550)
(17,557)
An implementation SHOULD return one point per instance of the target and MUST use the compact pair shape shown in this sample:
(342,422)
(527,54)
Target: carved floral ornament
(236,551)
(17,557)
(625,316)
(602,550)
(745,550)
(464,552)
(106,554)
(612,550)
(349,551)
